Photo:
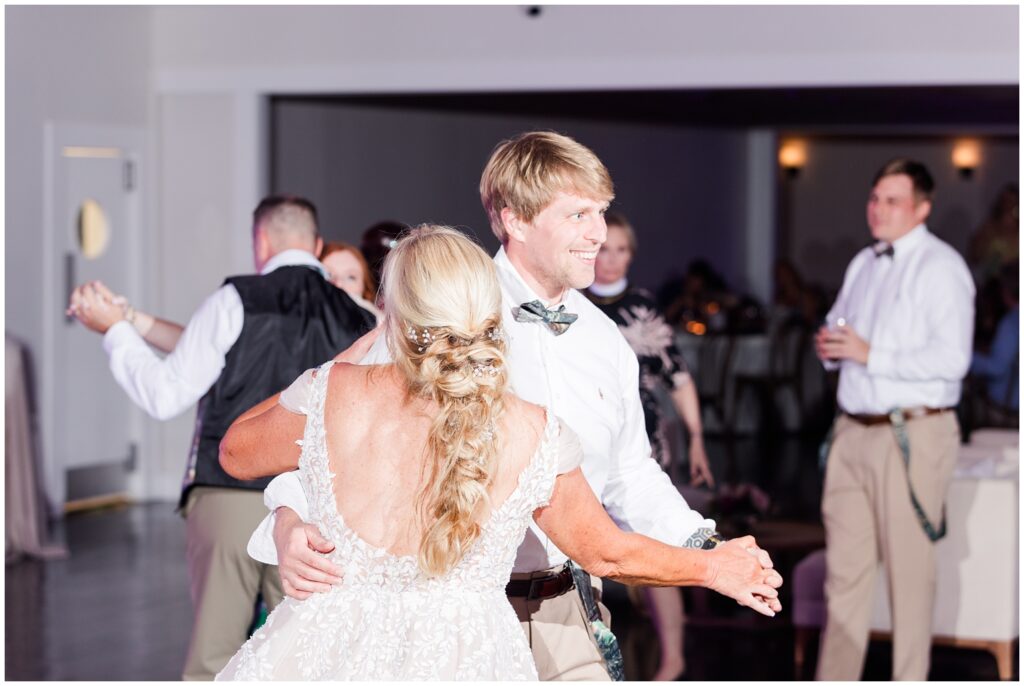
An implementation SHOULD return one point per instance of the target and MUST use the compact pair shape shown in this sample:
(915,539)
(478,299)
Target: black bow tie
(882,248)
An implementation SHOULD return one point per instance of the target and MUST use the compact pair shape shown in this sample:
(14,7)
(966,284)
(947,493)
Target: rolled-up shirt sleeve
(285,490)
(639,495)
(164,388)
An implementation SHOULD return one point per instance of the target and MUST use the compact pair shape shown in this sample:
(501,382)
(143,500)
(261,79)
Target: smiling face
(558,249)
(614,258)
(893,209)
(345,271)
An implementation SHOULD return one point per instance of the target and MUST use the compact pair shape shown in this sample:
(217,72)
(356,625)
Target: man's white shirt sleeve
(166,387)
(284,490)
(639,494)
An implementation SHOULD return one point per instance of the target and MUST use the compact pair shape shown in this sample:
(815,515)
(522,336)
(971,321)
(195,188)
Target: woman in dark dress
(653,340)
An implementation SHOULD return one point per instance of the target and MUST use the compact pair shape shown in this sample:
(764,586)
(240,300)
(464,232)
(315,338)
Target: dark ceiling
(895,108)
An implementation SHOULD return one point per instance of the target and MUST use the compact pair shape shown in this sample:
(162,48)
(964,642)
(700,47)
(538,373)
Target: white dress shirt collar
(293,257)
(515,285)
(910,240)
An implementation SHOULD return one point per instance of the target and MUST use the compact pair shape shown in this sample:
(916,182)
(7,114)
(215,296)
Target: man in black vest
(248,340)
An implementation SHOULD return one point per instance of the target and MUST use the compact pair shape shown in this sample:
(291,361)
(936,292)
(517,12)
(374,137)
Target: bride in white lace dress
(426,473)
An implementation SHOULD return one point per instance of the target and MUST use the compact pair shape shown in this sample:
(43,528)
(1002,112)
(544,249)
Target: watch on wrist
(712,541)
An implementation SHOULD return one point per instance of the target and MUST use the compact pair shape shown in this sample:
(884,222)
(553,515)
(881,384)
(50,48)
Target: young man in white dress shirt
(900,334)
(248,340)
(546,196)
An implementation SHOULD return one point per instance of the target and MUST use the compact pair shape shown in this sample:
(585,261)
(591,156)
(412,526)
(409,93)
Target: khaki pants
(868,516)
(224,580)
(560,636)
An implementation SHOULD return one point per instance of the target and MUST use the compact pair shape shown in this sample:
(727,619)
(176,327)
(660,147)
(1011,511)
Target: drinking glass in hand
(834,322)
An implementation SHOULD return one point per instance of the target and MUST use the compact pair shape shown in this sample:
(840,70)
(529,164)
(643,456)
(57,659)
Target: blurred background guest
(347,269)
(793,298)
(997,240)
(997,367)
(700,296)
(652,339)
(378,240)
(995,244)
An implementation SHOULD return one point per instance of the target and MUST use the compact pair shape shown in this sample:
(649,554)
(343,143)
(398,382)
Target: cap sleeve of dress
(296,397)
(570,450)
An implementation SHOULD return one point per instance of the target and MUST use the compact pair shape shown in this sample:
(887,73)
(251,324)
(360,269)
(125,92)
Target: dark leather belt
(909,413)
(541,587)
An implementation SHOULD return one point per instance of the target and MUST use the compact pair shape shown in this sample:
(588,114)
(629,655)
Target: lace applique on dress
(387,620)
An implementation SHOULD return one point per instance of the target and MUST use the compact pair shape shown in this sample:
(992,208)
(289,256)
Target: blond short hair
(526,172)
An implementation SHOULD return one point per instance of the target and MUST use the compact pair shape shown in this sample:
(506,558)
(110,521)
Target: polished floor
(118,609)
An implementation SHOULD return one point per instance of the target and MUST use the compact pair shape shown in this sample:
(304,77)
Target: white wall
(70,65)
(500,48)
(64,64)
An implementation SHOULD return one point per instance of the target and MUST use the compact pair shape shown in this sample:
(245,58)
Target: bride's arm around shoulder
(263,440)
(576,522)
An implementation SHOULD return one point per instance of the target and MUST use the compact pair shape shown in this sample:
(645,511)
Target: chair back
(789,342)
(714,360)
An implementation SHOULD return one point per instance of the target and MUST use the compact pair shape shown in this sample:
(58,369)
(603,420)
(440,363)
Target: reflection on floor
(118,607)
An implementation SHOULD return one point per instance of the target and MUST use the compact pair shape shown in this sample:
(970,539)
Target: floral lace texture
(387,620)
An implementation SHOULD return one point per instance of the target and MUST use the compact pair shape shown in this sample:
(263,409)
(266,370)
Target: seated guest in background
(347,269)
(705,297)
(998,367)
(793,300)
(633,310)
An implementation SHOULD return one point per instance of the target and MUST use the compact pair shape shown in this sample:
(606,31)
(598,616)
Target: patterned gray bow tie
(534,311)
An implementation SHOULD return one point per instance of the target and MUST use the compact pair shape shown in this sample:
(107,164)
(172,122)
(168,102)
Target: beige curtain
(25,515)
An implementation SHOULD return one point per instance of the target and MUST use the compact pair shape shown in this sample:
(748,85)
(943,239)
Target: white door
(94,214)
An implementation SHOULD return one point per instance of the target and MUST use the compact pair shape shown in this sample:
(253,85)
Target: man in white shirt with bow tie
(545,195)
(900,334)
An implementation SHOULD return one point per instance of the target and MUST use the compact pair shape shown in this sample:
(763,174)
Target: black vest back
(294,319)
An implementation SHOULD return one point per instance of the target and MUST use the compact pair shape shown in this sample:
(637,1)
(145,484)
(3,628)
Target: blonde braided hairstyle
(443,327)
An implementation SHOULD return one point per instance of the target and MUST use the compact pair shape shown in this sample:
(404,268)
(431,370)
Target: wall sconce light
(966,157)
(792,157)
